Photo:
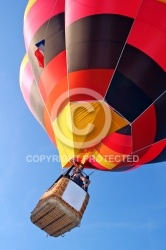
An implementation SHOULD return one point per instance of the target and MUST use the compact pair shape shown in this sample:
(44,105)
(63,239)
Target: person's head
(81,166)
(77,170)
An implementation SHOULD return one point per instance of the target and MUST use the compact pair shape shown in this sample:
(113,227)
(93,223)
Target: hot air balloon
(94,77)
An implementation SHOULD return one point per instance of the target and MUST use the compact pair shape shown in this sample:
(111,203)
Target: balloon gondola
(94,77)
(60,208)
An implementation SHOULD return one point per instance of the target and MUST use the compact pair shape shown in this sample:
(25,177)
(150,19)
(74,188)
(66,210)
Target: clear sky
(127,211)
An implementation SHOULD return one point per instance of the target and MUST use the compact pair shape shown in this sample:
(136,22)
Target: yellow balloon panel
(83,125)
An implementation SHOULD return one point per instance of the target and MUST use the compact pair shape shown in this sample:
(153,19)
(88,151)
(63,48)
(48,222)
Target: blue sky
(126,210)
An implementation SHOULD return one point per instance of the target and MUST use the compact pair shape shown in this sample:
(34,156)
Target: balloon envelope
(94,77)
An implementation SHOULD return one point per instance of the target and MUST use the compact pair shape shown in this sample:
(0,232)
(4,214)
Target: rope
(122,54)
(50,18)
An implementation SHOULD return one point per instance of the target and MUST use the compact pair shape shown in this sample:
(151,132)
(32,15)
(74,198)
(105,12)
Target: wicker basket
(60,208)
